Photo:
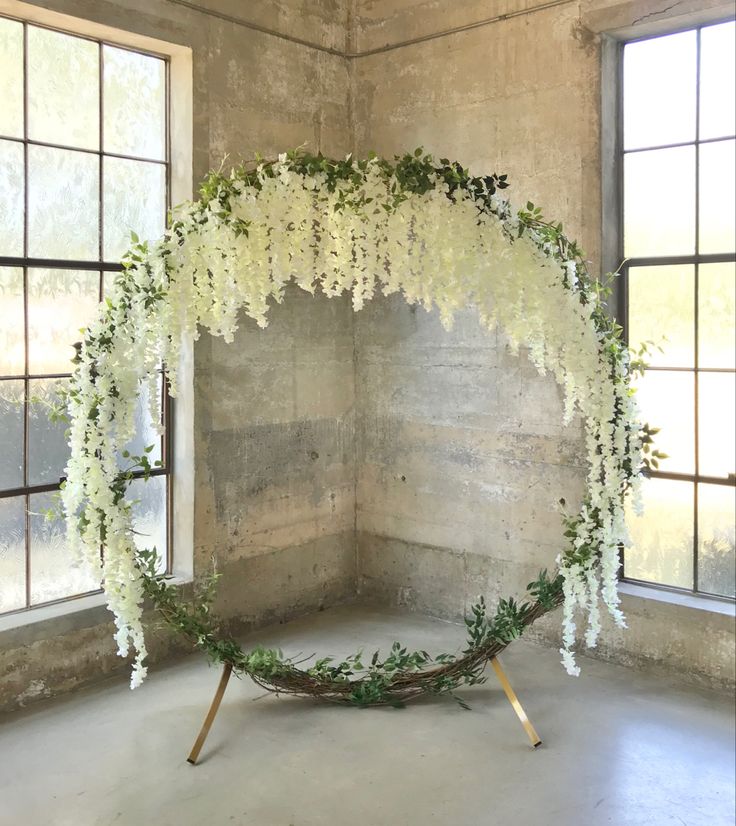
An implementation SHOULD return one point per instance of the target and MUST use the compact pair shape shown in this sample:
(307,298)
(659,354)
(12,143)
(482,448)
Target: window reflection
(60,304)
(662,539)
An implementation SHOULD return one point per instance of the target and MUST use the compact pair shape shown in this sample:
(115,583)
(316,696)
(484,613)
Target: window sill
(694,601)
(47,621)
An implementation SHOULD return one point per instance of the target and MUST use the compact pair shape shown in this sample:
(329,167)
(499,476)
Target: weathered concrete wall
(461,453)
(436,457)
(273,445)
(517,97)
(276,421)
(462,459)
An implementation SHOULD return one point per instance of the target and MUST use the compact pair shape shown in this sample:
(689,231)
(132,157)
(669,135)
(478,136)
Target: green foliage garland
(190,278)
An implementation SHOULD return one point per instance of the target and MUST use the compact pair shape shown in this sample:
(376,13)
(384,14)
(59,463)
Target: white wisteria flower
(429,230)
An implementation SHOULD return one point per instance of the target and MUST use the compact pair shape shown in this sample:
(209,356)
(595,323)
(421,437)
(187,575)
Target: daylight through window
(678,241)
(83,161)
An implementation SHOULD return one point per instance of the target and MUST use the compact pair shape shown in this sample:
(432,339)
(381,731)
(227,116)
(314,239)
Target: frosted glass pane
(717,87)
(11,198)
(60,302)
(659,90)
(659,202)
(716,423)
(48,451)
(717,539)
(11,78)
(12,554)
(108,282)
(63,89)
(149,515)
(662,539)
(667,401)
(55,572)
(717,300)
(135,199)
(145,431)
(12,357)
(11,434)
(135,103)
(718,197)
(661,310)
(63,198)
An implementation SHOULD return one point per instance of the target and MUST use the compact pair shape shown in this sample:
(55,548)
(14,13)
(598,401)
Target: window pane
(717,315)
(134,104)
(63,197)
(12,554)
(135,199)
(60,302)
(718,197)
(149,515)
(48,451)
(659,202)
(63,89)
(145,432)
(55,571)
(659,91)
(716,424)
(717,89)
(12,358)
(661,310)
(667,401)
(11,434)
(11,78)
(716,540)
(662,539)
(108,282)
(11,202)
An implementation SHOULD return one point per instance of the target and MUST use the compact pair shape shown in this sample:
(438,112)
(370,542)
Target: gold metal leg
(207,725)
(514,700)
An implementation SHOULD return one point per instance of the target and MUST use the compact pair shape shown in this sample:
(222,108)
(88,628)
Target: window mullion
(696,303)
(26,382)
(100,171)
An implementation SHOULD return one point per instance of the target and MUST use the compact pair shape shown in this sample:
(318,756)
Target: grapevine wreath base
(394,680)
(400,677)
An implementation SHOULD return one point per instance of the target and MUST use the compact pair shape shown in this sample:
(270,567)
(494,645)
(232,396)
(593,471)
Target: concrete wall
(461,454)
(461,461)
(285,468)
(328,448)
(276,421)
(461,458)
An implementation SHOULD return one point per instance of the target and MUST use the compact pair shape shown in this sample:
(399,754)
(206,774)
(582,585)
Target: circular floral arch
(414,225)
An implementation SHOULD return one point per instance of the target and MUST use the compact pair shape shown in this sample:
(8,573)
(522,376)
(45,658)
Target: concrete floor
(620,748)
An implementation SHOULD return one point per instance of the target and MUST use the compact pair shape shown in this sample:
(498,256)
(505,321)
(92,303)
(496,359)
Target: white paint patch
(36,688)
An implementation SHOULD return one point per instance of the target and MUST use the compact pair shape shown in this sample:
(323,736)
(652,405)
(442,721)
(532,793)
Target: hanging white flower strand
(425,228)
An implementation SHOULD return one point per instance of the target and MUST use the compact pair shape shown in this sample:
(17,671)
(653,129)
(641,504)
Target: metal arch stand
(209,719)
(228,670)
(531,732)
